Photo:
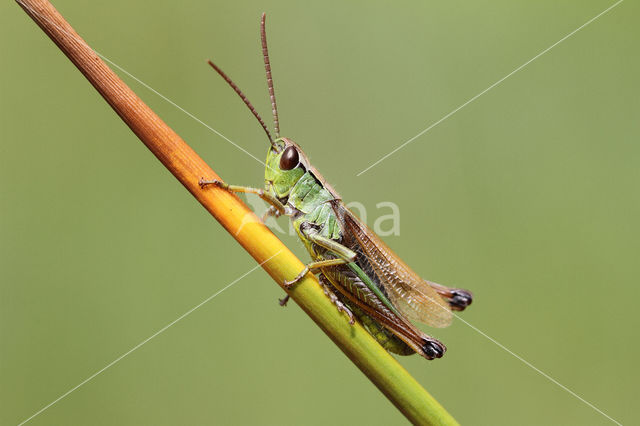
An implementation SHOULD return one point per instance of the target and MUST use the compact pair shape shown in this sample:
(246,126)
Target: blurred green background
(528,196)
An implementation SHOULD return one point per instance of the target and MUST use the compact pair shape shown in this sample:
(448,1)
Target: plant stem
(276,259)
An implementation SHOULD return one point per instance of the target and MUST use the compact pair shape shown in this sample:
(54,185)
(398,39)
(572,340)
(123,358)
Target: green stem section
(276,259)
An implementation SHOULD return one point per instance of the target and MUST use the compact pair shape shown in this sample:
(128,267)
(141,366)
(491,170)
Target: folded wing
(409,293)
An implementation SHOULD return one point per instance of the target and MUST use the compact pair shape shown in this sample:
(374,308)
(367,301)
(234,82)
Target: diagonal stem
(380,367)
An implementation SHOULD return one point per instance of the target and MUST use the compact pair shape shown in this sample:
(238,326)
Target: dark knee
(433,349)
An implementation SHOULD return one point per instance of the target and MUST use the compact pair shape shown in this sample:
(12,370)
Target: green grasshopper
(358,272)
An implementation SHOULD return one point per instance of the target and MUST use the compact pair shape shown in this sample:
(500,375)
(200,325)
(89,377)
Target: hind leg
(328,290)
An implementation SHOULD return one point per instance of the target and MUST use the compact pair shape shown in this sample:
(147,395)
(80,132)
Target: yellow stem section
(380,367)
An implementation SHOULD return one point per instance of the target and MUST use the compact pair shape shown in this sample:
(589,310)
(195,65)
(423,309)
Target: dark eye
(289,158)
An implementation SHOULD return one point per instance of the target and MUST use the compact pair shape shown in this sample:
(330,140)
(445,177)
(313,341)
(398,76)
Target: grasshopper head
(286,163)
(285,166)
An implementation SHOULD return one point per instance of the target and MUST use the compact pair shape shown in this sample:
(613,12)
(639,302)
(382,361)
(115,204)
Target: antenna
(267,67)
(243,97)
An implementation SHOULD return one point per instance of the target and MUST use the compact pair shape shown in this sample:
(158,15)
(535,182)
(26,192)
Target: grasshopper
(358,272)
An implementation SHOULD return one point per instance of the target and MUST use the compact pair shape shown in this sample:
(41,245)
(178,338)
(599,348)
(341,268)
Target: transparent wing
(409,293)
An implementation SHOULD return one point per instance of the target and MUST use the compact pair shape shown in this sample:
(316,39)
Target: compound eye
(289,158)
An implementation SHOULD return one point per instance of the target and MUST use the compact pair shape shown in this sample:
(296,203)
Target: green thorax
(302,191)
(313,204)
